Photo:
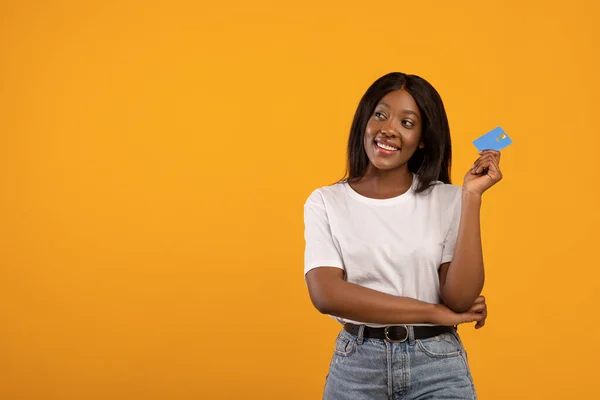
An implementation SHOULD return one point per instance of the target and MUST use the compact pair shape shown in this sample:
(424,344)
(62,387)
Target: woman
(393,252)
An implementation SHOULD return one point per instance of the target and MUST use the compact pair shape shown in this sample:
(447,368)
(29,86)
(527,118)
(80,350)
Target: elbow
(321,303)
(458,304)
(323,284)
(323,298)
(460,299)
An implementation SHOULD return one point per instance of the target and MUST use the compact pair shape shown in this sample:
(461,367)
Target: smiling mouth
(386,146)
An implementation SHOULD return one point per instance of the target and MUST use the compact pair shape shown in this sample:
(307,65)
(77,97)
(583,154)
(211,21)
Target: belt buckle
(387,330)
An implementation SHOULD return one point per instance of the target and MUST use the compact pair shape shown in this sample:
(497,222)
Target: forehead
(400,100)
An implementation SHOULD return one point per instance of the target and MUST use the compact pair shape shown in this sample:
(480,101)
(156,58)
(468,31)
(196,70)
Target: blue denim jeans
(373,369)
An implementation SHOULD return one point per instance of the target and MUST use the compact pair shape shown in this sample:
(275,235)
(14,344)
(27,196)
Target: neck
(390,181)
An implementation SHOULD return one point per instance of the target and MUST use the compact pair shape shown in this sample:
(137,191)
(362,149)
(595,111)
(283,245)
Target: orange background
(155,158)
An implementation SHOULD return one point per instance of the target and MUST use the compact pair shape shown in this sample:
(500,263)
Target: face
(393,132)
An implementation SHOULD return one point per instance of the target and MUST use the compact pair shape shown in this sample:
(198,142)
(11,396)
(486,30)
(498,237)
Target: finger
(478,163)
(487,165)
(495,153)
(479,303)
(478,308)
(494,170)
(482,159)
(480,324)
(483,164)
(472,317)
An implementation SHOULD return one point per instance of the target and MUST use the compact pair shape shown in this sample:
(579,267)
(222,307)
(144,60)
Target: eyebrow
(381,103)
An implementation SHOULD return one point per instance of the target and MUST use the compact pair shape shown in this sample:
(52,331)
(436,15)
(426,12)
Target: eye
(408,123)
(379,115)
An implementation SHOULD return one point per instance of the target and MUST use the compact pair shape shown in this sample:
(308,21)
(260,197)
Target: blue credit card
(496,139)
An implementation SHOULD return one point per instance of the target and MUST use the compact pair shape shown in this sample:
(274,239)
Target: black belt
(399,333)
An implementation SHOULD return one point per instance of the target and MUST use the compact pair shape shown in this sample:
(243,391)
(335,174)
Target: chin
(382,166)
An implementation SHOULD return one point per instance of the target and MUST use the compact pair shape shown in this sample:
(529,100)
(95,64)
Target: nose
(388,129)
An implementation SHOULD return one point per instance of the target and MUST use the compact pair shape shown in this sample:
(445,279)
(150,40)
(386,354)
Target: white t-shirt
(394,246)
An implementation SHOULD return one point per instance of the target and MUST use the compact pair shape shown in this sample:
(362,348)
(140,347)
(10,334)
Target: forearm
(465,277)
(350,301)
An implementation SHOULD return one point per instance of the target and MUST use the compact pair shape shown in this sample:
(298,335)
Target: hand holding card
(486,170)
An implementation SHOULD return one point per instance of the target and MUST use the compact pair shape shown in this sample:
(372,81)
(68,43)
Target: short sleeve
(321,249)
(452,232)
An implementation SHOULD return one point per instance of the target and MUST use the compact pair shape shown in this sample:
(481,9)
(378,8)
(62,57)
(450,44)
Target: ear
(421,145)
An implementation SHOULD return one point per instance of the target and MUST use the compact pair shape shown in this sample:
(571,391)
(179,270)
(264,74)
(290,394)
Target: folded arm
(332,295)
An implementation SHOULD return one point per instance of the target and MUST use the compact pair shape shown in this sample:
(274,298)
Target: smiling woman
(400,128)
(393,252)
(408,107)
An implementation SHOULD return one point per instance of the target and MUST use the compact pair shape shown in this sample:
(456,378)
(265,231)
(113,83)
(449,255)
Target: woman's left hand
(484,174)
(480,306)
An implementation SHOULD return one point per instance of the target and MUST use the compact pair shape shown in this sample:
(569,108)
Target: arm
(461,280)
(330,294)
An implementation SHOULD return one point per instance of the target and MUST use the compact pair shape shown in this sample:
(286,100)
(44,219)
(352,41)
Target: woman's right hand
(477,313)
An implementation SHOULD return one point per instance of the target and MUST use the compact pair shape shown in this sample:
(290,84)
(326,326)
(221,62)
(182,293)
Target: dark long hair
(430,164)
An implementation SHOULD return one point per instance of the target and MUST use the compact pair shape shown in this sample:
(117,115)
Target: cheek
(414,138)
(367,137)
(370,132)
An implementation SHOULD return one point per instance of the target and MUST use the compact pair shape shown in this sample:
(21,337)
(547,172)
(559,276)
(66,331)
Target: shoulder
(446,189)
(325,194)
(445,193)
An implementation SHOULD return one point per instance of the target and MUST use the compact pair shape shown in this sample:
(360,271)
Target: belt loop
(411,334)
(361,332)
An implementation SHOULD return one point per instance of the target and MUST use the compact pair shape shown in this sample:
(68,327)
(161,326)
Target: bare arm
(461,280)
(332,295)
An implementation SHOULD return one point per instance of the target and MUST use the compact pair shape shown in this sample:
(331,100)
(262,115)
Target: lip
(386,142)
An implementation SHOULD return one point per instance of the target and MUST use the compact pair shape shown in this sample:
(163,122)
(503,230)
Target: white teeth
(385,146)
